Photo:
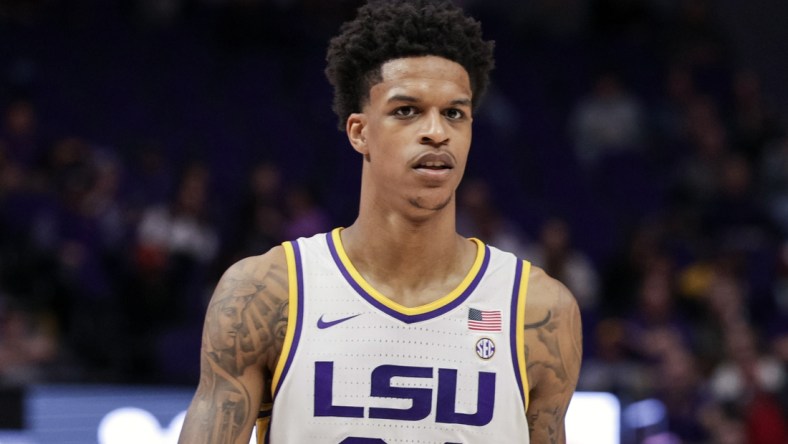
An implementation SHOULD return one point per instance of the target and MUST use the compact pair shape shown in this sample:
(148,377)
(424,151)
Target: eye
(405,111)
(454,114)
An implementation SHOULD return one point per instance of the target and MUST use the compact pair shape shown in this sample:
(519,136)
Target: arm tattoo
(544,427)
(541,323)
(553,354)
(244,327)
(533,418)
(548,341)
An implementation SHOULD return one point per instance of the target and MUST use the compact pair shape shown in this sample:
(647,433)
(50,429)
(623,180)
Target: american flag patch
(484,320)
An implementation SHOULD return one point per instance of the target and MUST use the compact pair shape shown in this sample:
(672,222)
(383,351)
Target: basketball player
(395,329)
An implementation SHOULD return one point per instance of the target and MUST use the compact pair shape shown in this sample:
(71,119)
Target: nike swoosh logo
(321,324)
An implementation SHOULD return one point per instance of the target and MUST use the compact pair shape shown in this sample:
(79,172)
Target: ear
(356,128)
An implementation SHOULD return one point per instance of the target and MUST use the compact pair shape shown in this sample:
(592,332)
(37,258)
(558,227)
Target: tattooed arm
(242,337)
(553,350)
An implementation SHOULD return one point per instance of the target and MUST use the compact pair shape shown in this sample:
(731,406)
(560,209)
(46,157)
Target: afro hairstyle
(385,30)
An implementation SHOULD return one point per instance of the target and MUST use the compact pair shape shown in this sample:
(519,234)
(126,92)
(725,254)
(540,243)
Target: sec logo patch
(485,348)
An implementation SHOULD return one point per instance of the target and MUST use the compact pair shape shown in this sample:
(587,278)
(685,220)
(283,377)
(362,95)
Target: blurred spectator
(175,244)
(739,229)
(696,174)
(21,158)
(19,134)
(780,289)
(261,220)
(152,177)
(75,231)
(735,218)
(626,269)
(169,285)
(182,228)
(696,39)
(612,367)
(11,175)
(724,424)
(679,386)
(105,203)
(754,123)
(556,254)
(668,116)
(779,349)
(28,344)
(305,215)
(746,369)
(478,216)
(772,173)
(656,317)
(609,120)
(752,382)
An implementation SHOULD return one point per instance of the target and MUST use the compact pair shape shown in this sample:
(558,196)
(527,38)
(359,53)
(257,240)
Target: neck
(411,219)
(406,256)
(392,236)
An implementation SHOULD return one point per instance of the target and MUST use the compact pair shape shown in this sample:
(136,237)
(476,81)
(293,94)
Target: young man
(395,329)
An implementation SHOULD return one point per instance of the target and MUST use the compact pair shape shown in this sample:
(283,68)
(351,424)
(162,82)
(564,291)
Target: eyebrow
(402,98)
(461,102)
(411,99)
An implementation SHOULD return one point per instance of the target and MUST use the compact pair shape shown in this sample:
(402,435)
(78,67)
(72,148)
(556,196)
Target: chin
(431,203)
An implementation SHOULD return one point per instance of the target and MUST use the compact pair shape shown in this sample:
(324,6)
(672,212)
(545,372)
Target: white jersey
(358,368)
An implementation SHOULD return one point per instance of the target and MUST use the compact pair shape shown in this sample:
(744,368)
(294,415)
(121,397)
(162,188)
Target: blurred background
(635,149)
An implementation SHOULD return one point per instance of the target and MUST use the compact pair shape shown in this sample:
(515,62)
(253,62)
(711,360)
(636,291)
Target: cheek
(387,163)
(389,152)
(461,155)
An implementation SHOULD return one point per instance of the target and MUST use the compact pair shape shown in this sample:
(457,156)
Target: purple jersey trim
(406,318)
(518,276)
(299,316)
(296,333)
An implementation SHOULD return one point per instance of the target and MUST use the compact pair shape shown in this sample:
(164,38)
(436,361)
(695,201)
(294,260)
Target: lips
(434,162)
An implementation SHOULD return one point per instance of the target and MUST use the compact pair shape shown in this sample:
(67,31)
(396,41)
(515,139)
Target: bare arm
(553,350)
(242,337)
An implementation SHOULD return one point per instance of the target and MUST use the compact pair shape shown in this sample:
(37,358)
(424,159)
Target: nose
(237,322)
(433,130)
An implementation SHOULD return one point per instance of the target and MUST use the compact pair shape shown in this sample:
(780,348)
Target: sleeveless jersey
(358,368)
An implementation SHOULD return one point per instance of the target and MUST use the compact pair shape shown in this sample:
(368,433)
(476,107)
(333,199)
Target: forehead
(428,73)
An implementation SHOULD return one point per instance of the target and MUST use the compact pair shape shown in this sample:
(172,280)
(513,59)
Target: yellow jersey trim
(523,292)
(292,314)
(356,276)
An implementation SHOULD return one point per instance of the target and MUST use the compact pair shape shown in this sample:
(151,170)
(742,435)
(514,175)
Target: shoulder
(260,279)
(252,297)
(547,294)
(265,268)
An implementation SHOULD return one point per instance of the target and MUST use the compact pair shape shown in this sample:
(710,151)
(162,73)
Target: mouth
(433,166)
(432,163)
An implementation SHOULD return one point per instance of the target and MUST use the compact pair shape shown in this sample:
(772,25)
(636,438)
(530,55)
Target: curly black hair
(385,30)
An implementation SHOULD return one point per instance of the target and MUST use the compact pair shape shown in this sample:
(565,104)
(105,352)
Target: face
(229,314)
(415,133)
